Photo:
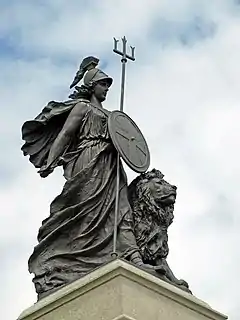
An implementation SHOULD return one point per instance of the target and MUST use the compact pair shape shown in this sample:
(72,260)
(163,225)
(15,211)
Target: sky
(183,91)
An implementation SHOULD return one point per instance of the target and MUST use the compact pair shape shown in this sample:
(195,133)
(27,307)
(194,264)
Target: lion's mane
(151,220)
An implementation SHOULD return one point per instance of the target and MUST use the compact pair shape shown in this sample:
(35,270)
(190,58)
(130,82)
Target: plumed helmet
(92,75)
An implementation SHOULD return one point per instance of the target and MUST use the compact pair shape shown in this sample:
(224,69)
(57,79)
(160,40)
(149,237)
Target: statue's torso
(95,124)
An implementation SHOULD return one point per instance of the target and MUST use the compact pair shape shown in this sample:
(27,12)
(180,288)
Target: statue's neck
(95,101)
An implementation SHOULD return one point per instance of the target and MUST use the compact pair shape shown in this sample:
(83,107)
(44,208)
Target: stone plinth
(120,291)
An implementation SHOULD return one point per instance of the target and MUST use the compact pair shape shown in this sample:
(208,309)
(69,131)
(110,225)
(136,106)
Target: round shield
(129,141)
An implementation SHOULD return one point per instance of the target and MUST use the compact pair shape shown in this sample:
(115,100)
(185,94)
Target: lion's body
(152,200)
(151,220)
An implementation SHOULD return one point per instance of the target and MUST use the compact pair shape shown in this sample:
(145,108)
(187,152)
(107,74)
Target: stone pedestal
(120,291)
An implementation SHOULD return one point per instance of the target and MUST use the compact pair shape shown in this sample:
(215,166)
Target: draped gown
(77,237)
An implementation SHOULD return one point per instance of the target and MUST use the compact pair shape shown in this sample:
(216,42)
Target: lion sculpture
(152,200)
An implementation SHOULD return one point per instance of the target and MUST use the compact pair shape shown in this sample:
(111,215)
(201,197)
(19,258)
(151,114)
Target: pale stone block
(120,291)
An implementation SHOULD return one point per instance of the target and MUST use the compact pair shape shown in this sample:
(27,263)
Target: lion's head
(152,200)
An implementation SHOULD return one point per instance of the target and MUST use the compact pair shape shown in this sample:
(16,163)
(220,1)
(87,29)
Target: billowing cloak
(40,133)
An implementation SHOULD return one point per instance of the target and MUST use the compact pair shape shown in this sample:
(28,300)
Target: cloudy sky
(183,91)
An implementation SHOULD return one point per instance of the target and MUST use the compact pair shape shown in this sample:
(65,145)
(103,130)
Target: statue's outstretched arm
(70,127)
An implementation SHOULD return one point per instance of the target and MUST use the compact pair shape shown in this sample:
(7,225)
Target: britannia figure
(77,237)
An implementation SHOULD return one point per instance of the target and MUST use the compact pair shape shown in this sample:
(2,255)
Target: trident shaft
(124,59)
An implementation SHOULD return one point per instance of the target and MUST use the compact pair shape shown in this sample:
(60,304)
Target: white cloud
(184,98)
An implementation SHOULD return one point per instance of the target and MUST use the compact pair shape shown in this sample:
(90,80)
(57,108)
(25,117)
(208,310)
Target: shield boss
(129,141)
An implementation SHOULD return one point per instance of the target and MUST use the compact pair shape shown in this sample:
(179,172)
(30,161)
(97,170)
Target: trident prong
(133,52)
(115,43)
(124,59)
(123,53)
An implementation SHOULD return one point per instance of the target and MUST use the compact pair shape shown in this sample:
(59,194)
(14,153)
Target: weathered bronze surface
(152,200)
(77,237)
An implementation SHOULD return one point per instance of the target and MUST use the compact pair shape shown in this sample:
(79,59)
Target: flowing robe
(77,237)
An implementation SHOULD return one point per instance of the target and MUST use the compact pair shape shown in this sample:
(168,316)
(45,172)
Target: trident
(124,59)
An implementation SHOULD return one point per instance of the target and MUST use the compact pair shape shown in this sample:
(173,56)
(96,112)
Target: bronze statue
(96,217)
(77,236)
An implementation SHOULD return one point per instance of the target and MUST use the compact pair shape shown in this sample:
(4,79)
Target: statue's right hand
(45,171)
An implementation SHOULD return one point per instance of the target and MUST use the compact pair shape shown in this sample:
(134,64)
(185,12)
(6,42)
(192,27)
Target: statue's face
(101,89)
(163,193)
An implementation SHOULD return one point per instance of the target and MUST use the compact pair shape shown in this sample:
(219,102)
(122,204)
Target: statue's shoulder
(83,102)
(80,101)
